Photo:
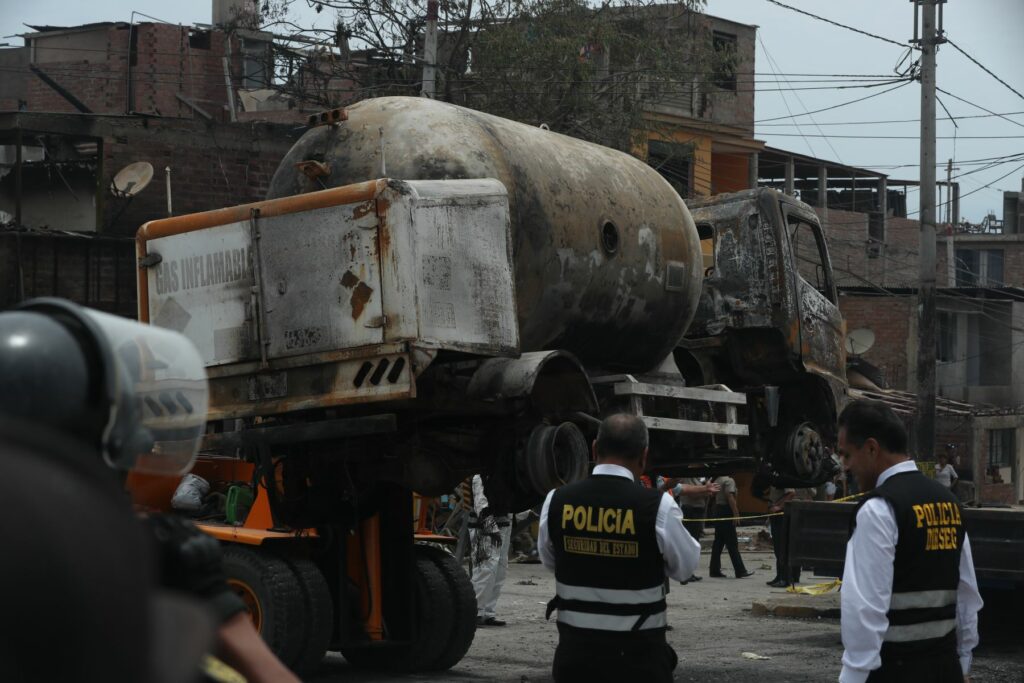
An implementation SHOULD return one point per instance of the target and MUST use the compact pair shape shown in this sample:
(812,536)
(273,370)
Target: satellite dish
(132,179)
(859,341)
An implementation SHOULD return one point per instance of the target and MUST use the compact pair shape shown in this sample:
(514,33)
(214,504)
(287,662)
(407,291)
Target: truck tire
(318,614)
(463,600)
(271,592)
(433,618)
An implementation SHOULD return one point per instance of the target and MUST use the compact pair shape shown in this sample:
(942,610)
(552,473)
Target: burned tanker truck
(430,292)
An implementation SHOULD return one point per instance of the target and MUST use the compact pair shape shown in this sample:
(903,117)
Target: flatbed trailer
(819,531)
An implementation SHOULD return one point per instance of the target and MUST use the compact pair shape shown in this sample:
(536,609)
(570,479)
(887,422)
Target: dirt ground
(713,627)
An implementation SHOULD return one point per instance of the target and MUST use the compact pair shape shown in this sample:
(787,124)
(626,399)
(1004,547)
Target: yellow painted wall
(701,155)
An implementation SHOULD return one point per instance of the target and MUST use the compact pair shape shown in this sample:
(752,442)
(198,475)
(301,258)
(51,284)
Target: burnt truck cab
(768,324)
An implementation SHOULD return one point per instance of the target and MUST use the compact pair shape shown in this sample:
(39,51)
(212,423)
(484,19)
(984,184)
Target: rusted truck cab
(768,322)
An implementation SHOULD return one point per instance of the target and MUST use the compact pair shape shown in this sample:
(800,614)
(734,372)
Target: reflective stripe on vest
(610,609)
(924,631)
(921,615)
(923,599)
(613,596)
(608,622)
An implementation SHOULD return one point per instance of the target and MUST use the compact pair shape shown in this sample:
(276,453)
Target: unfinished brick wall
(166,65)
(97,79)
(889,318)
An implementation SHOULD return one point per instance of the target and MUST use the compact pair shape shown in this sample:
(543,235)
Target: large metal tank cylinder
(607,258)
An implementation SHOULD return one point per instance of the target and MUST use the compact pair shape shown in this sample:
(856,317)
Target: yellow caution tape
(216,670)
(816,589)
(763,515)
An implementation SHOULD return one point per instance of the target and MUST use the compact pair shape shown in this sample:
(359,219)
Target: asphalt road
(713,627)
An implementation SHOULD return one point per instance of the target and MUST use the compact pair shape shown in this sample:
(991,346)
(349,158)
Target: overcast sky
(989,30)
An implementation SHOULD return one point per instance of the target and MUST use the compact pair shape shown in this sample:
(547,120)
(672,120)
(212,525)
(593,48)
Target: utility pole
(950,230)
(430,51)
(929,39)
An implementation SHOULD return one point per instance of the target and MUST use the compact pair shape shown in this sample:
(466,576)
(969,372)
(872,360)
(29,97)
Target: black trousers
(725,537)
(696,529)
(780,545)
(612,658)
(919,668)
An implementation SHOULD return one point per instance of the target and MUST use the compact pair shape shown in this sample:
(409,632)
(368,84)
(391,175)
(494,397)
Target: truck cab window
(706,232)
(809,254)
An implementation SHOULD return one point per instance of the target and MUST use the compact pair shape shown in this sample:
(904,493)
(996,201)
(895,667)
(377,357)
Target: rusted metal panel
(321,279)
(371,379)
(691,393)
(423,262)
(447,254)
(607,259)
(696,426)
(202,287)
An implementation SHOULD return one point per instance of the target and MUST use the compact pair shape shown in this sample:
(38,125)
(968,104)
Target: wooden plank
(674,425)
(693,393)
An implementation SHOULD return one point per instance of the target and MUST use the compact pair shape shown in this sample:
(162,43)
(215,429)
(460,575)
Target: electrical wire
(836,23)
(978,106)
(902,83)
(890,121)
(983,68)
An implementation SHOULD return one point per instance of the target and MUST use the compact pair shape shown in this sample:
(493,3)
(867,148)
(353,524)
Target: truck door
(821,325)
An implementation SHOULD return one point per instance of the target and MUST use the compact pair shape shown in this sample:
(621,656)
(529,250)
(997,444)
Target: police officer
(910,598)
(141,602)
(611,544)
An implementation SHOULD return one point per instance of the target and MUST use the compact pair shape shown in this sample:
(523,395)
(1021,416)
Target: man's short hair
(622,435)
(865,420)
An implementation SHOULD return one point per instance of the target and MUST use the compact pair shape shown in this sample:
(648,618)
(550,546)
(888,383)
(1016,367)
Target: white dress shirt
(677,546)
(867,589)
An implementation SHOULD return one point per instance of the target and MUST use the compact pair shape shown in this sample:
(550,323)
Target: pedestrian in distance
(726,513)
(611,543)
(910,598)
(945,474)
(693,494)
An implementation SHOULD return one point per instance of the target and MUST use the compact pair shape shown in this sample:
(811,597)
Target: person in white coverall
(490,532)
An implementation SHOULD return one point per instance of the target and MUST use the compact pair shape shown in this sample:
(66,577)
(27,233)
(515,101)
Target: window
(979,267)
(946,352)
(1000,447)
(724,75)
(672,161)
(199,40)
(809,255)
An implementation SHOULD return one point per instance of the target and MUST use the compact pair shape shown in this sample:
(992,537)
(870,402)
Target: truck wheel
(462,598)
(318,614)
(433,615)
(270,591)
(805,450)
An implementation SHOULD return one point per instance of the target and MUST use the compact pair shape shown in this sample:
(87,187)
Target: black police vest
(926,572)
(609,571)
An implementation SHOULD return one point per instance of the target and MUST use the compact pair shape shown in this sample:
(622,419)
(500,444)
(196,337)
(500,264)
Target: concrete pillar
(752,171)
(790,175)
(954,216)
(823,186)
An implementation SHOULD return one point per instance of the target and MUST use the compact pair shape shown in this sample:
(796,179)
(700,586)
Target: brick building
(78,104)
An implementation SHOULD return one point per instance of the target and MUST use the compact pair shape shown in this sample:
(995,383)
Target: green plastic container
(238,503)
